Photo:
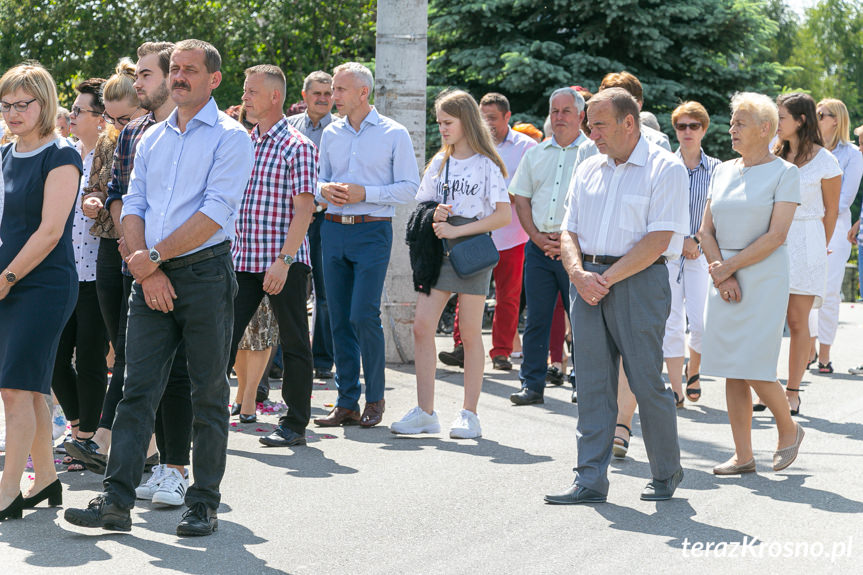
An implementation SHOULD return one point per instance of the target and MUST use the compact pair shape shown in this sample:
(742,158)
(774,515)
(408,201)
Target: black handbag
(468,255)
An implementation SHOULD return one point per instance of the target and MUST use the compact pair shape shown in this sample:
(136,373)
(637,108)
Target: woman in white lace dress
(799,142)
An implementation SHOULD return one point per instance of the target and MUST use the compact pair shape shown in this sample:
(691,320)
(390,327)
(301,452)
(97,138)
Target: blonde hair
(694,109)
(840,112)
(762,107)
(120,86)
(35,80)
(461,105)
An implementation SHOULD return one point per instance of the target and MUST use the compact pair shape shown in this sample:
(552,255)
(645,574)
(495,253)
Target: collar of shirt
(575,143)
(277,127)
(322,123)
(372,119)
(702,163)
(638,157)
(208,115)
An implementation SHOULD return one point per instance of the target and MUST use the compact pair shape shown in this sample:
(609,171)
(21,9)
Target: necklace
(743,169)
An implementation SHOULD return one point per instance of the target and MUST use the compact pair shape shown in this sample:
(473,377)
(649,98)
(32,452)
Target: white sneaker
(172,489)
(856,370)
(149,487)
(416,421)
(3,438)
(465,426)
(58,423)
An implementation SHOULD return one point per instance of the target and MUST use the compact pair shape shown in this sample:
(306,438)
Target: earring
(99,128)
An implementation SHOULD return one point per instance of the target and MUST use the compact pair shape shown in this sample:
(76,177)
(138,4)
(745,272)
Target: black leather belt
(198,256)
(608,260)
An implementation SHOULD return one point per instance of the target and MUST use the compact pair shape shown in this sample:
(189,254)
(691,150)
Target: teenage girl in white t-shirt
(469,174)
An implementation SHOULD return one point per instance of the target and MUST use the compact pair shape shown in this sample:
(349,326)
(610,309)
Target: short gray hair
(359,71)
(578,98)
(762,107)
(317,76)
(649,120)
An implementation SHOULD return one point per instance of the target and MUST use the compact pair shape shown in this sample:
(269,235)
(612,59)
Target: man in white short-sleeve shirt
(626,204)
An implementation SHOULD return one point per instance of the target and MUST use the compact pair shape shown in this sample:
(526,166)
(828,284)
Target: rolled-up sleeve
(135,199)
(406,177)
(228,178)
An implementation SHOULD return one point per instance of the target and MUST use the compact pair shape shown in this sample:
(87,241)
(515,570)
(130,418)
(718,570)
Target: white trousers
(824,322)
(687,301)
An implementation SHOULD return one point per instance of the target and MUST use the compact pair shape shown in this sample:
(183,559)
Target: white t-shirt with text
(476,185)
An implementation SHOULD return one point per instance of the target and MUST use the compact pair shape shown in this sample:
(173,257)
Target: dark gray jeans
(202,318)
(628,323)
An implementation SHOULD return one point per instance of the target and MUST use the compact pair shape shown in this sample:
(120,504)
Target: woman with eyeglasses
(38,282)
(834,125)
(80,370)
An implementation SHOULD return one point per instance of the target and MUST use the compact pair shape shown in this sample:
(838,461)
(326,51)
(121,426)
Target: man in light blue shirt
(178,219)
(367,165)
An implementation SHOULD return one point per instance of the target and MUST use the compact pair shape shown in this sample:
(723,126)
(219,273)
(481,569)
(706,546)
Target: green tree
(85,38)
(702,50)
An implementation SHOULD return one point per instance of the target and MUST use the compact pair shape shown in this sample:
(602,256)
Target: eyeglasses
(821,115)
(681,127)
(76,110)
(20,106)
(121,120)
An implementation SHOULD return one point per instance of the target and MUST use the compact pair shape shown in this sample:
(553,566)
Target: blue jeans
(322,341)
(202,319)
(544,279)
(355,265)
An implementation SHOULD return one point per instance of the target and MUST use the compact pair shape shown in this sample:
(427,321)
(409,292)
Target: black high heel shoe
(53,493)
(795,411)
(14,509)
(235,409)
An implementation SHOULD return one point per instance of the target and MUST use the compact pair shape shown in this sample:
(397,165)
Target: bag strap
(446,181)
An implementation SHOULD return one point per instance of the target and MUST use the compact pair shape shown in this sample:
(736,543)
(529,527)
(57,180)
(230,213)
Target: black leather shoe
(250,418)
(88,452)
(53,493)
(101,512)
(235,409)
(575,495)
(526,397)
(554,376)
(454,357)
(658,490)
(275,373)
(198,520)
(283,437)
(323,374)
(263,392)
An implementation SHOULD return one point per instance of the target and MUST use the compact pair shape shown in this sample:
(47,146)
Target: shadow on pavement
(304,461)
(496,452)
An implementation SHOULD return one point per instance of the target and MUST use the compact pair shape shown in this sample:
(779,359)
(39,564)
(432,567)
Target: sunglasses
(821,115)
(681,127)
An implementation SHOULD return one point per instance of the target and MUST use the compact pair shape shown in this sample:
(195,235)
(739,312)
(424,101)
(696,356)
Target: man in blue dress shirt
(367,165)
(178,216)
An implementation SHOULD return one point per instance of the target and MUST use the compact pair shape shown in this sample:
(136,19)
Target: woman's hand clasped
(729,290)
(719,272)
(442,229)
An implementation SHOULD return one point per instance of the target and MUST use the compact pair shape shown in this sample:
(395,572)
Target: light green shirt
(543,176)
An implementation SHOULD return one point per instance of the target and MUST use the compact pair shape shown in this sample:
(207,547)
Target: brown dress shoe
(339,416)
(372,414)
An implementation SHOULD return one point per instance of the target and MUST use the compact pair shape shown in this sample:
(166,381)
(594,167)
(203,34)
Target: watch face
(11,277)
(154,256)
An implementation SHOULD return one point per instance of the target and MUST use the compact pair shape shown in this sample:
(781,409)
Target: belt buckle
(347,219)
(592,259)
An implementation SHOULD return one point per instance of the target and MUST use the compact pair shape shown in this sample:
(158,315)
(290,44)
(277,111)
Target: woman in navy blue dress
(38,281)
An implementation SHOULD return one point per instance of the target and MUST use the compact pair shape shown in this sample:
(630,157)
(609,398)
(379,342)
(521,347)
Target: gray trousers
(629,322)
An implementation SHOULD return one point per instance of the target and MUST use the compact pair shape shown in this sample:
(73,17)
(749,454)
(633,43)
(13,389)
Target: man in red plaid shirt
(271,251)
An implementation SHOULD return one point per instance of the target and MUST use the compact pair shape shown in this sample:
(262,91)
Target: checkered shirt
(124,156)
(286,164)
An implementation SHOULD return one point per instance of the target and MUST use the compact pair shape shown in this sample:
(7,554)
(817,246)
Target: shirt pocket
(633,213)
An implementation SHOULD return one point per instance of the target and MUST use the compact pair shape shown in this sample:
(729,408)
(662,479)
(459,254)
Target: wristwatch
(287,259)
(695,239)
(155,256)
(10,277)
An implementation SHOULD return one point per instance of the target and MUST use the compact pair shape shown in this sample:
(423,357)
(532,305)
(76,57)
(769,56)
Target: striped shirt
(699,182)
(286,165)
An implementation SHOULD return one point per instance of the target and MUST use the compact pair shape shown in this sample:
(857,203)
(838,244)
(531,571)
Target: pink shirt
(511,151)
